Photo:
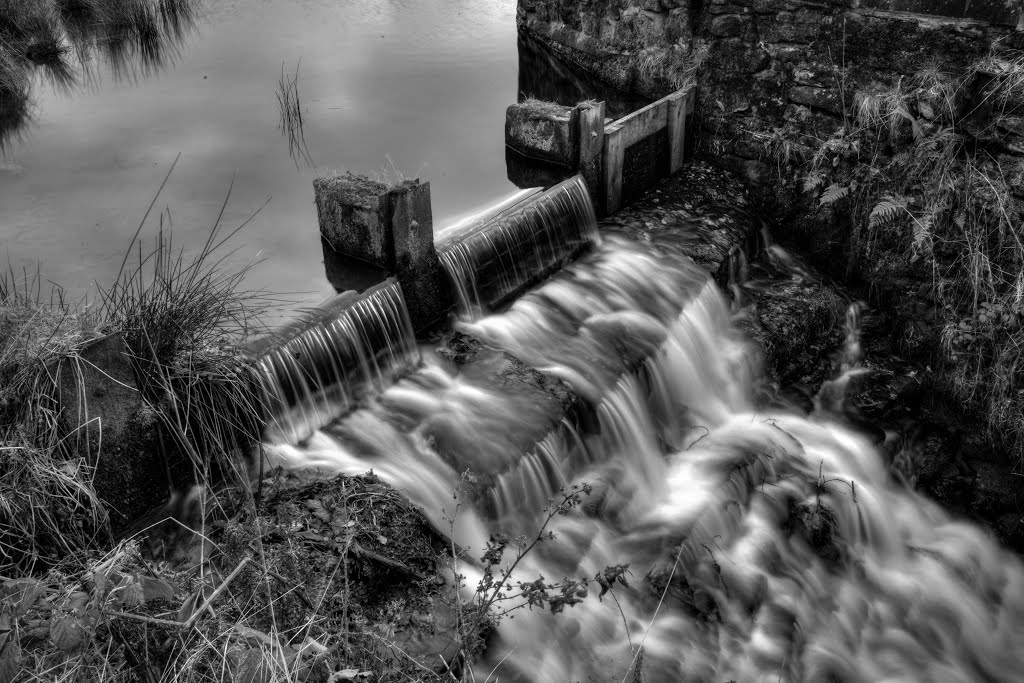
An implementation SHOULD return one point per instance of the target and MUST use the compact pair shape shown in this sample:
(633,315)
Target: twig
(143,618)
(220,589)
(654,616)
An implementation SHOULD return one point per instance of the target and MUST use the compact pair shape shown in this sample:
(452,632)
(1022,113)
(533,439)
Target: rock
(726,26)
(818,98)
(107,421)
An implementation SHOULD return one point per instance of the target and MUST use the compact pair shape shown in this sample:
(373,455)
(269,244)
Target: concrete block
(348,207)
(370,228)
(541,130)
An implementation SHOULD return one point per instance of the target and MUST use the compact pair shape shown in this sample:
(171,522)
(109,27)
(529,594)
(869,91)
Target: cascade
(315,369)
(762,545)
(494,258)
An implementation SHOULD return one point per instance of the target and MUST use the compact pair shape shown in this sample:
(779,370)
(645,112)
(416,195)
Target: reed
(290,121)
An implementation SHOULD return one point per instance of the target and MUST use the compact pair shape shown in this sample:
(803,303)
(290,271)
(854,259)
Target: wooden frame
(670,112)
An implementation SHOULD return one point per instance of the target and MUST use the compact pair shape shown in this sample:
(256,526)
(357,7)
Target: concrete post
(589,119)
(387,228)
(417,266)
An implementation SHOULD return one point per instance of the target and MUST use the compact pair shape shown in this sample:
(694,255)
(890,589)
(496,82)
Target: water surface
(424,82)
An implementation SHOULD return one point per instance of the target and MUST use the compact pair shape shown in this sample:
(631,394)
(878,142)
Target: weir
(317,368)
(497,258)
(763,544)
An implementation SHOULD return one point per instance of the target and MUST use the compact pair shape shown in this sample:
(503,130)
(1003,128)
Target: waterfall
(762,545)
(502,254)
(317,368)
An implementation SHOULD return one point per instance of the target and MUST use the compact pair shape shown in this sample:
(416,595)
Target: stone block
(726,26)
(108,424)
(348,208)
(391,229)
(541,130)
(826,99)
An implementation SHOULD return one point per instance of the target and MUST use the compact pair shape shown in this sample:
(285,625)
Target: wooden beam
(676,131)
(614,157)
(644,122)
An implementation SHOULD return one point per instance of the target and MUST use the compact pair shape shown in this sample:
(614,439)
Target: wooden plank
(591,145)
(690,93)
(644,122)
(676,131)
(614,156)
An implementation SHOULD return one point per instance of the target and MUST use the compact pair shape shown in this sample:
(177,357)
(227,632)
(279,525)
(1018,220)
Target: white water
(761,546)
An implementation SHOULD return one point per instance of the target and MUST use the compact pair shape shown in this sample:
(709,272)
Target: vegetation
(290,120)
(922,169)
(58,40)
(246,577)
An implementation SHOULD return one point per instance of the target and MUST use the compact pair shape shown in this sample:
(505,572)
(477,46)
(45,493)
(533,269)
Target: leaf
(132,595)
(156,589)
(5,628)
(67,634)
(813,181)
(78,601)
(318,510)
(22,595)
(188,607)
(833,193)
(887,210)
(348,675)
(10,663)
(252,668)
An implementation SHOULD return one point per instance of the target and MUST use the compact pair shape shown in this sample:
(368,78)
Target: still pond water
(422,82)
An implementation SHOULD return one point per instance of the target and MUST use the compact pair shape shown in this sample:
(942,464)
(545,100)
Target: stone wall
(765,67)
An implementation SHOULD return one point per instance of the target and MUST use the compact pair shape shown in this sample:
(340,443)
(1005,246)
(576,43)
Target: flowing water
(761,545)
(317,368)
(495,258)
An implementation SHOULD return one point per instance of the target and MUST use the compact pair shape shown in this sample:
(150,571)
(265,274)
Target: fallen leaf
(348,675)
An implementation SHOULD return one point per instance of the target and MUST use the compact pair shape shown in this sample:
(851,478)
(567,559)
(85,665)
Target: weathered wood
(590,127)
(614,157)
(690,93)
(644,122)
(676,131)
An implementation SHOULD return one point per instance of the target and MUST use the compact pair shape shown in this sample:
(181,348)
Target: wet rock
(701,212)
(798,324)
(816,525)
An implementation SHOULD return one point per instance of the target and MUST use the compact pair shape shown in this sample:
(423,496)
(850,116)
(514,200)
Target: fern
(813,181)
(833,193)
(887,210)
(921,244)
